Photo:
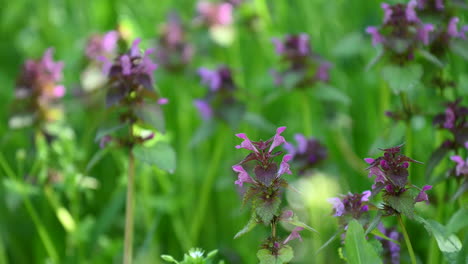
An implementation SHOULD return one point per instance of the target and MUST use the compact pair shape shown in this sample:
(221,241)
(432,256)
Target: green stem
(128,242)
(407,240)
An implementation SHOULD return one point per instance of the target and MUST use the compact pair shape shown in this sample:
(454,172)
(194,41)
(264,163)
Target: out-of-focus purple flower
(351,204)
(423,33)
(410,12)
(455,120)
(299,60)
(338,206)
(422,196)
(308,153)
(210,77)
(173,51)
(387,12)
(204,109)
(287,215)
(243,176)
(391,250)
(452,28)
(215,14)
(462,165)
(102,45)
(294,234)
(376,36)
(37,89)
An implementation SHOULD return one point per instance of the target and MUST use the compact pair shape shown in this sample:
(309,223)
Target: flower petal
(278,139)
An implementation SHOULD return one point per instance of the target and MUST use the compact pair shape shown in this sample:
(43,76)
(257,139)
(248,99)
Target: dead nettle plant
(136,118)
(264,193)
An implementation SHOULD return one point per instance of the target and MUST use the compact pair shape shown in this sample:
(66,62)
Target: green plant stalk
(407,240)
(43,235)
(128,242)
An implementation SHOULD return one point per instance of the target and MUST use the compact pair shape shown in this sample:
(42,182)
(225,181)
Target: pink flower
(163,101)
(387,11)
(365,196)
(246,144)
(410,12)
(337,205)
(284,167)
(278,139)
(243,175)
(204,109)
(423,33)
(294,234)
(59,91)
(376,36)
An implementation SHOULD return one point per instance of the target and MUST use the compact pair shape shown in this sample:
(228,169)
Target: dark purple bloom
(454,119)
(308,153)
(422,196)
(391,250)
(294,234)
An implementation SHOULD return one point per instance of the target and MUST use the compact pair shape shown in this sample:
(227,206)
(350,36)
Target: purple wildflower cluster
(301,66)
(215,14)
(266,186)
(307,154)
(402,32)
(455,120)
(38,91)
(130,86)
(351,206)
(173,51)
(391,171)
(220,101)
(102,45)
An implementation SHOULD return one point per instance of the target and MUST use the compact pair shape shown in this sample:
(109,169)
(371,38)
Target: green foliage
(160,154)
(402,79)
(404,203)
(285,254)
(194,256)
(266,209)
(358,249)
(248,227)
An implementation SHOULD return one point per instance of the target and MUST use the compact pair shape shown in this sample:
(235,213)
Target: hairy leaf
(249,226)
(458,221)
(285,255)
(404,203)
(160,154)
(402,79)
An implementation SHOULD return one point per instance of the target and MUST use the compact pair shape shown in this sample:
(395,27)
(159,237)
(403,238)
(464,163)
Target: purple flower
(462,165)
(294,234)
(210,78)
(243,175)
(284,166)
(410,12)
(350,204)
(215,14)
(338,206)
(204,109)
(246,144)
(323,72)
(287,215)
(423,33)
(277,139)
(308,154)
(391,250)
(376,36)
(102,45)
(387,12)
(452,29)
(422,196)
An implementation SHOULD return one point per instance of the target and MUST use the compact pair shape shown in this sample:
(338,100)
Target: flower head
(102,45)
(462,165)
(308,153)
(215,14)
(353,205)
(243,175)
(391,250)
(294,235)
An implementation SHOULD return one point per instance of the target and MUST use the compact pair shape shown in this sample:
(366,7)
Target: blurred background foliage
(65,202)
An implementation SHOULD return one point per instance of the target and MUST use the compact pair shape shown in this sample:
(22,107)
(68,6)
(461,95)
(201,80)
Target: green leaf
(203,132)
(374,223)
(448,243)
(402,79)
(329,241)
(285,255)
(458,221)
(460,48)
(358,249)
(266,210)
(434,160)
(169,259)
(249,226)
(404,203)
(108,130)
(151,114)
(377,232)
(463,255)
(160,154)
(431,58)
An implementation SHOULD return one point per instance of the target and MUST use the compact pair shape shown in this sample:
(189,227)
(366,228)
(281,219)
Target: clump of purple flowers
(130,87)
(102,45)
(173,51)
(301,67)
(220,100)
(391,171)
(401,33)
(308,153)
(38,92)
(214,14)
(351,206)
(266,186)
